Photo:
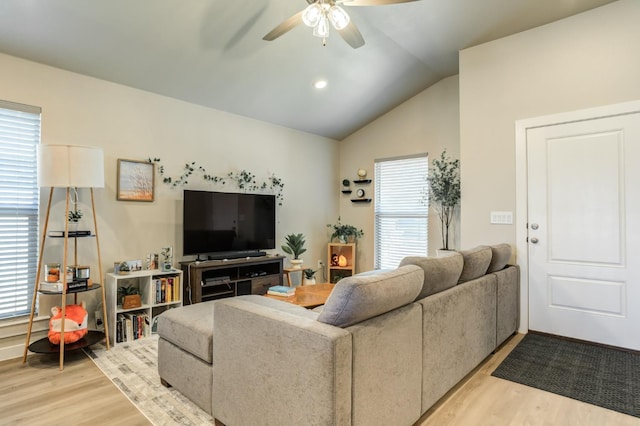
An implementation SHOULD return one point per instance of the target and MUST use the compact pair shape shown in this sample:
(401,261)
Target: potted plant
(124,268)
(344,233)
(73,218)
(129,297)
(444,192)
(309,276)
(295,247)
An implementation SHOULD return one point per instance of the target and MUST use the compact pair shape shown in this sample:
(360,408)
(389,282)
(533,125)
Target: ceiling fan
(320,13)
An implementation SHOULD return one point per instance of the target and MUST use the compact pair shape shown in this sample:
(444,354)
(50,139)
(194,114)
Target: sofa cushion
(476,263)
(360,297)
(440,273)
(500,255)
(190,328)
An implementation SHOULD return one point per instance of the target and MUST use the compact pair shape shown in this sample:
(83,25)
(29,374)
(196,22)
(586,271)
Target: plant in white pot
(309,276)
(295,247)
(444,192)
(74,218)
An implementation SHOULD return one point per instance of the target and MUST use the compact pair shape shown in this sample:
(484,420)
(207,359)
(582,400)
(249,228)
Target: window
(401,213)
(19,200)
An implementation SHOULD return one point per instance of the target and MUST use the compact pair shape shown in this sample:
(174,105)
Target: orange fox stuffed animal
(75,324)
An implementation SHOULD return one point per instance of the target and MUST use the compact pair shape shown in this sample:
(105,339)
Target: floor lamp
(70,167)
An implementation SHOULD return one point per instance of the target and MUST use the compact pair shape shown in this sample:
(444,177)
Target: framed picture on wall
(136,180)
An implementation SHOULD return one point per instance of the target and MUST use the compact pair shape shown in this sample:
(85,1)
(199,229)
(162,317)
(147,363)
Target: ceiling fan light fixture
(322,29)
(312,15)
(338,17)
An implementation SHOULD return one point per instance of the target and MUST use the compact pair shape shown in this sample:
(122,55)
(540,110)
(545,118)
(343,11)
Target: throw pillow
(500,255)
(476,263)
(360,297)
(440,273)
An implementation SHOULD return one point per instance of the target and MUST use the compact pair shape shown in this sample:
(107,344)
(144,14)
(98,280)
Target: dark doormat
(606,377)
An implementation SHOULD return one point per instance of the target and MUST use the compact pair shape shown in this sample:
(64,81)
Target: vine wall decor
(243,179)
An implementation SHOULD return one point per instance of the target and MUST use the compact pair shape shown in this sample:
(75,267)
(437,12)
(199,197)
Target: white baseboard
(11,352)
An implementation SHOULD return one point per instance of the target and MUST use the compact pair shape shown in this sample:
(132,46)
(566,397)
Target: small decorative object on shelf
(52,272)
(346,189)
(362,173)
(167,258)
(123,268)
(360,193)
(129,297)
(74,217)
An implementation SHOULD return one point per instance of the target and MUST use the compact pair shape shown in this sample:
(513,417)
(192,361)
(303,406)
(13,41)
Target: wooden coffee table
(308,296)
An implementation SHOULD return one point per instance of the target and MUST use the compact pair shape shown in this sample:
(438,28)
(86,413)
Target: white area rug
(133,368)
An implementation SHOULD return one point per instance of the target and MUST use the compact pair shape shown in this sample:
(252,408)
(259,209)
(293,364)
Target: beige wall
(584,61)
(428,122)
(133,124)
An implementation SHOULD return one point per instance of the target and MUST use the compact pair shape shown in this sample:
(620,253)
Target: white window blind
(401,210)
(19,200)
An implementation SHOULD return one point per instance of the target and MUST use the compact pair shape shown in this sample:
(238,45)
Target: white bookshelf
(146,282)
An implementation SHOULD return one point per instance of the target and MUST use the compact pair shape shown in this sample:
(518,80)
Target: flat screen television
(227,225)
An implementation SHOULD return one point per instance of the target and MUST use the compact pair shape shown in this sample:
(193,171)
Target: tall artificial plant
(294,245)
(444,192)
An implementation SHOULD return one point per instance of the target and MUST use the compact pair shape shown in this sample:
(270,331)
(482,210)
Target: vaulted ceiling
(211,52)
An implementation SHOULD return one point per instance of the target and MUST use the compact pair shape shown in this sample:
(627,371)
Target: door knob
(534,240)
(534,226)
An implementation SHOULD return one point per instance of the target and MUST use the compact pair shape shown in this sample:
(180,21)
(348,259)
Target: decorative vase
(309,281)
(296,263)
(444,252)
(342,239)
(73,225)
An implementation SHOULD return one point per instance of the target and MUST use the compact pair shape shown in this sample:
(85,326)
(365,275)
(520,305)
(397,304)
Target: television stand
(216,279)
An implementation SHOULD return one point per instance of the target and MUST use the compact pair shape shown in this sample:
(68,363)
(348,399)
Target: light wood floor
(39,394)
(485,400)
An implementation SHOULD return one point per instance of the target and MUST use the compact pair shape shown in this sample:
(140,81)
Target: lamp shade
(70,166)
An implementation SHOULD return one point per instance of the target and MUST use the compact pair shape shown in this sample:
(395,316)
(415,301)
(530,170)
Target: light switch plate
(502,218)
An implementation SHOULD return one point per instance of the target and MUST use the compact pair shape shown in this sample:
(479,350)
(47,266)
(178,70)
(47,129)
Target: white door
(584,230)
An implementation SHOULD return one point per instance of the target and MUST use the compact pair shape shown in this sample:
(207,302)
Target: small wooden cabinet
(216,279)
(341,259)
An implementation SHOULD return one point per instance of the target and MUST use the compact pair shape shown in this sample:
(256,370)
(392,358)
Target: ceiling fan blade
(351,35)
(286,26)
(373,2)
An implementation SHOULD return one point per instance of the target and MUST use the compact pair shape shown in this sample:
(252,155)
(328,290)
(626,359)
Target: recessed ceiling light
(320,84)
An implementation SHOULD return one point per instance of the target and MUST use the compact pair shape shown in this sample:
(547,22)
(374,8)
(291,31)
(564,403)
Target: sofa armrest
(273,367)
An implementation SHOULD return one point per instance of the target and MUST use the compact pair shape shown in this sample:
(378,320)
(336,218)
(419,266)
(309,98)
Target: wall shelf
(362,181)
(361,200)
(347,191)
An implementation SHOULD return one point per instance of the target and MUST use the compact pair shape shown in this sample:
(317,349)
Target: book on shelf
(131,326)
(167,289)
(47,286)
(281,290)
(71,233)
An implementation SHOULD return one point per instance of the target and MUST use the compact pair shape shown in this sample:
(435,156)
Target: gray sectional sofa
(385,347)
